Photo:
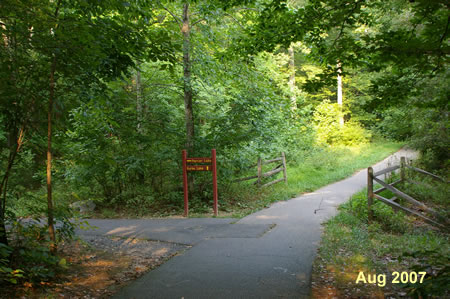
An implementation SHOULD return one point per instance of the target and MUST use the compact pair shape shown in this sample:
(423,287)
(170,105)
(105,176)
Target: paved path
(268,254)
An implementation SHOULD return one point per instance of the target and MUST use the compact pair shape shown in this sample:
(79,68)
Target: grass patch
(394,242)
(308,173)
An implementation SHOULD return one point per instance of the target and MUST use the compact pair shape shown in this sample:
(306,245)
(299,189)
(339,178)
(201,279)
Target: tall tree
(50,214)
(292,76)
(187,85)
(139,100)
(339,90)
(185,28)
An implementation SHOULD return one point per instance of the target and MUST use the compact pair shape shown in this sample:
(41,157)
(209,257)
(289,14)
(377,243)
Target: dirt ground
(98,267)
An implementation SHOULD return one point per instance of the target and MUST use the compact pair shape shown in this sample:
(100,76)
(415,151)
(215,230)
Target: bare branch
(235,20)
(344,22)
(179,21)
(444,34)
(248,8)
(196,22)
(440,45)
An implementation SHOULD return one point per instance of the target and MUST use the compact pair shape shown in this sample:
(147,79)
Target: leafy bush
(417,113)
(430,190)
(8,274)
(430,120)
(385,216)
(331,132)
(28,257)
(396,123)
(437,279)
(38,263)
(354,134)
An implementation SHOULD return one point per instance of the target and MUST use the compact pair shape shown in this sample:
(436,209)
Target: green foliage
(38,264)
(399,46)
(8,274)
(29,255)
(387,219)
(420,116)
(331,132)
(437,279)
(396,123)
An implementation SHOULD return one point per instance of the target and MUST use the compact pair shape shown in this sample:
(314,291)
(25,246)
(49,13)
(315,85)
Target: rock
(84,206)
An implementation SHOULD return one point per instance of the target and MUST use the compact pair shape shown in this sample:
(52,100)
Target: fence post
(284,167)
(370,193)
(402,168)
(259,171)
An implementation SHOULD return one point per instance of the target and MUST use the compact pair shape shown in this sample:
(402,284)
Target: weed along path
(268,254)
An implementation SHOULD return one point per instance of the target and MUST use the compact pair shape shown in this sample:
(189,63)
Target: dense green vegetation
(98,98)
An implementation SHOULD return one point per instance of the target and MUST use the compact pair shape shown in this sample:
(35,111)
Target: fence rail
(426,173)
(260,175)
(373,194)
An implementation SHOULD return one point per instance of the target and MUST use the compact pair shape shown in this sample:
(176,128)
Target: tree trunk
(50,216)
(139,117)
(292,77)
(15,138)
(3,236)
(4,184)
(188,111)
(51,228)
(139,106)
(339,91)
(3,189)
(189,115)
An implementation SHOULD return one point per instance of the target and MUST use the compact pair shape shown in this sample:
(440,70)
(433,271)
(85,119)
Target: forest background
(98,98)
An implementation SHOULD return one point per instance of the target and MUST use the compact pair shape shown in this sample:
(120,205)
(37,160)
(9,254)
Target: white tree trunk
(339,91)
(292,77)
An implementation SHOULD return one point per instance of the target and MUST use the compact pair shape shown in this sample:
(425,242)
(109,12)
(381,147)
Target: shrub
(437,278)
(331,132)
(28,257)
(385,215)
(8,274)
(396,123)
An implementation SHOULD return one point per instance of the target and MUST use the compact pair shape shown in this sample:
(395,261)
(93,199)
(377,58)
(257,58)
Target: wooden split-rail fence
(281,167)
(374,194)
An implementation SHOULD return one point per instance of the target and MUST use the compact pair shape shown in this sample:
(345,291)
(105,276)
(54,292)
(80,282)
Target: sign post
(214,177)
(211,166)
(185,184)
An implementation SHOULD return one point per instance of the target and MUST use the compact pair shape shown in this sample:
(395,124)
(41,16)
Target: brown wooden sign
(199,168)
(210,166)
(198,160)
